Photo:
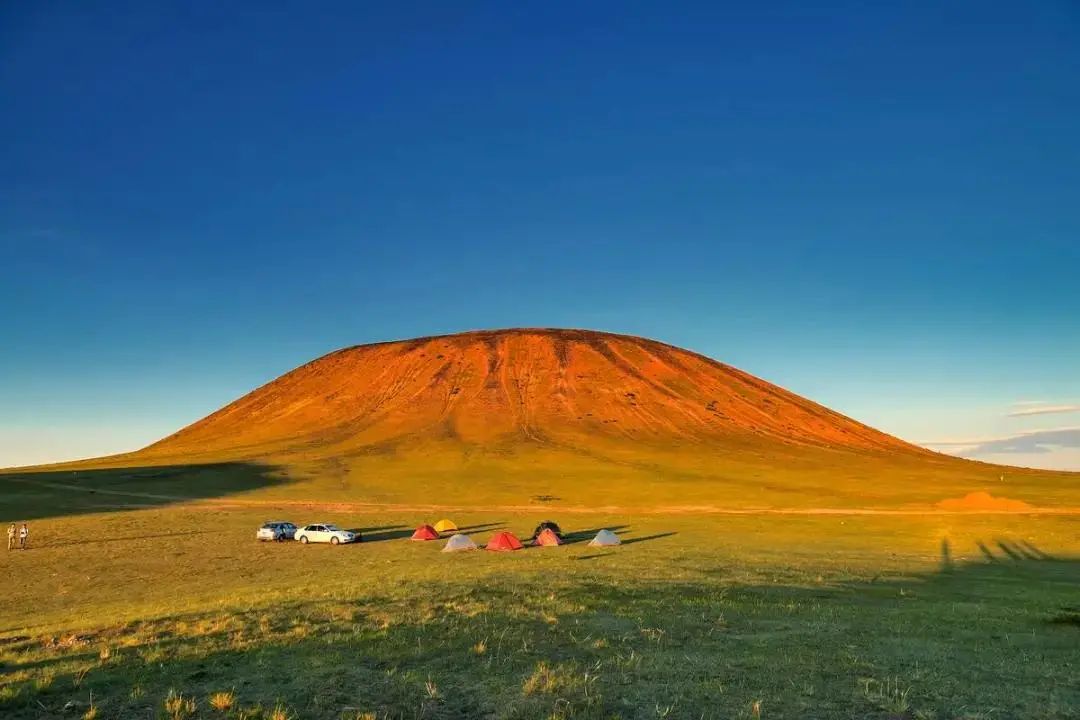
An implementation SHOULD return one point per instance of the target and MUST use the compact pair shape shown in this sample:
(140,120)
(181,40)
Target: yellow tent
(444,526)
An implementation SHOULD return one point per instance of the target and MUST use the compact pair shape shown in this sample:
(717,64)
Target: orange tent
(503,541)
(425,532)
(547,538)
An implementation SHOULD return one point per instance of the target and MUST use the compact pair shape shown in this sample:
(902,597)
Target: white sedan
(325,533)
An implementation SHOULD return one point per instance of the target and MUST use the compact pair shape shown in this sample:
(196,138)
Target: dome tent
(547,525)
(445,526)
(458,543)
(425,532)
(605,538)
(503,540)
(547,538)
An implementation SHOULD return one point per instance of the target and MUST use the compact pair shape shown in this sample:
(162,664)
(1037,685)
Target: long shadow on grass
(579,536)
(376,528)
(373,537)
(497,525)
(598,646)
(647,538)
(400,532)
(30,495)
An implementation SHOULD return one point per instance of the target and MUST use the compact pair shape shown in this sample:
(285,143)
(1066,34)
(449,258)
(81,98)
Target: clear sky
(876,207)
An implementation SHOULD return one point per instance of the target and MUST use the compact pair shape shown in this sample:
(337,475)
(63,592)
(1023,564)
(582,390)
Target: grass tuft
(223,701)
(178,707)
(548,679)
(280,712)
(78,677)
(889,696)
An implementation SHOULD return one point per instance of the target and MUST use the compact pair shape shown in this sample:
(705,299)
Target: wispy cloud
(1029,443)
(1022,409)
(1049,448)
(952,443)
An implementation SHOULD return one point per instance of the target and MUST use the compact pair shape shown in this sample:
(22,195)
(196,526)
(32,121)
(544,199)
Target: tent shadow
(498,525)
(386,535)
(647,538)
(376,528)
(579,536)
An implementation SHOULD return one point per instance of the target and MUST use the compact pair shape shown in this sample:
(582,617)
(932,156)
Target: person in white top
(23,534)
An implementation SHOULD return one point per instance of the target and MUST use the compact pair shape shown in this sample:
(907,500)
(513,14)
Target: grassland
(143,606)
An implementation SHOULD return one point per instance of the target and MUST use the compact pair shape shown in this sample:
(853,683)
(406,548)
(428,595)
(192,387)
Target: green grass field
(141,606)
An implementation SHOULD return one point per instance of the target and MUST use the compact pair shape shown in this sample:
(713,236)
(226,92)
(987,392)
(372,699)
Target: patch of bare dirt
(983,501)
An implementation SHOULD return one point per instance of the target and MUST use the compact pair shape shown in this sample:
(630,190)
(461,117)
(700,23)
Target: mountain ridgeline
(502,388)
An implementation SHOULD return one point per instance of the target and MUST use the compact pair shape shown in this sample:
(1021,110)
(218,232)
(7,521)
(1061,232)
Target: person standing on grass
(11,536)
(24,532)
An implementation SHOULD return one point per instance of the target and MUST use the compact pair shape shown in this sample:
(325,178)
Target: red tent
(425,532)
(547,538)
(503,541)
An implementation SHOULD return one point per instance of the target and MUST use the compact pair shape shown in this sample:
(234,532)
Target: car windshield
(269,526)
(333,528)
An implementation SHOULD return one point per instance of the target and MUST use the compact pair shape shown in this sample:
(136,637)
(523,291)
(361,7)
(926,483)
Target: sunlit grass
(741,616)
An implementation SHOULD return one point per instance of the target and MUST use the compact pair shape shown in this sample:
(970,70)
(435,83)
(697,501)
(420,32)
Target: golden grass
(808,616)
(223,700)
(178,707)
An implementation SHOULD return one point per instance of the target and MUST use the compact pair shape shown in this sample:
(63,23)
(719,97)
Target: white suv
(325,533)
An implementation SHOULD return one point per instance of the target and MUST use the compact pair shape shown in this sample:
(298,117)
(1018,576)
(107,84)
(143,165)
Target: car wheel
(303,539)
(334,540)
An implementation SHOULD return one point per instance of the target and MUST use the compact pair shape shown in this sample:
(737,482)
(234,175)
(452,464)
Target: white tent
(459,542)
(605,538)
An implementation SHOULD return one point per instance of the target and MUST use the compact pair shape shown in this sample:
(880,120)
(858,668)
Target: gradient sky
(878,208)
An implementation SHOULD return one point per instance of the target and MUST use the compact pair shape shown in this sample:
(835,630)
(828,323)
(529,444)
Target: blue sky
(878,208)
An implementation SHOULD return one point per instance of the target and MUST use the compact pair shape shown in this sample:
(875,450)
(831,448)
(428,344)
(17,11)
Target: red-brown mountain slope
(538,386)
